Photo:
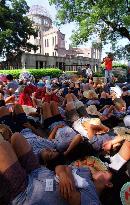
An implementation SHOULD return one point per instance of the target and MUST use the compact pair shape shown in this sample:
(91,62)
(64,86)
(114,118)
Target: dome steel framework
(39,10)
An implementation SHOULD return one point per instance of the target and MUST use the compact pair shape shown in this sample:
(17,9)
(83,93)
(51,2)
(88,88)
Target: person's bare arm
(53,132)
(117,139)
(48,91)
(103,108)
(112,143)
(10,99)
(66,180)
(34,130)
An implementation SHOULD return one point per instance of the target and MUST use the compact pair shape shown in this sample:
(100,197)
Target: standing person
(89,72)
(108,68)
(84,71)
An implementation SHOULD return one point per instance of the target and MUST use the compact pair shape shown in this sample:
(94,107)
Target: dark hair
(2,92)
(2,103)
(9,77)
(125,88)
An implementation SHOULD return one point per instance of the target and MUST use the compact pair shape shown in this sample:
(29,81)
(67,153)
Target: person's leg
(46,111)
(69,102)
(4,111)
(7,156)
(106,76)
(24,152)
(19,117)
(70,106)
(54,108)
(90,129)
(13,177)
(125,150)
(102,129)
(71,112)
(5,132)
(69,98)
(18,109)
(75,141)
(75,198)
(110,76)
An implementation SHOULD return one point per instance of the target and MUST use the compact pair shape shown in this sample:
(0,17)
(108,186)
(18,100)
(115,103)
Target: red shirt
(40,93)
(25,96)
(25,99)
(108,63)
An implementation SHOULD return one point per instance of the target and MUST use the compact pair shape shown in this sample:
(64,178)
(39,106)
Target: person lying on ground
(77,116)
(61,134)
(16,119)
(26,182)
(66,138)
(92,129)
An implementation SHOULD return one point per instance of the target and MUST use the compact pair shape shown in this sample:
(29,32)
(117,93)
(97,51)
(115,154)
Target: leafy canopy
(15,28)
(107,19)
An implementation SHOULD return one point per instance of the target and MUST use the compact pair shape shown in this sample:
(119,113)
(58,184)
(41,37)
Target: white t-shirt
(89,72)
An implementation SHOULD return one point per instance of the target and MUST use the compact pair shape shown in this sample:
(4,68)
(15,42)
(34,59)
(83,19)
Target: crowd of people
(63,142)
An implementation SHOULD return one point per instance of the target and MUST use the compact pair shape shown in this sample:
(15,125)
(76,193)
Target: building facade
(51,46)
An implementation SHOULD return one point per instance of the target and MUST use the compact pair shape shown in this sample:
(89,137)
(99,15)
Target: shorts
(14,122)
(72,116)
(21,118)
(49,121)
(16,176)
(77,125)
(82,112)
(2,103)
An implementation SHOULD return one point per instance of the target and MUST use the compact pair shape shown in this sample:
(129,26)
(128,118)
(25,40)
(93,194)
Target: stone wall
(64,63)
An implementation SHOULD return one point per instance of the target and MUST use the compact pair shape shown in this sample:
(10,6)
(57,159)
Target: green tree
(122,52)
(107,19)
(15,28)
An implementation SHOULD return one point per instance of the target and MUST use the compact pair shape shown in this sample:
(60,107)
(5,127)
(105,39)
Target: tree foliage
(15,28)
(107,19)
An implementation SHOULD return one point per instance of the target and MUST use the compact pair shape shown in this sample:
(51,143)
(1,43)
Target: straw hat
(91,161)
(1,138)
(92,110)
(118,102)
(5,132)
(125,194)
(123,132)
(90,94)
(119,130)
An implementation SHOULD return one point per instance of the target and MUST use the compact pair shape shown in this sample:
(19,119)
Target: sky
(68,28)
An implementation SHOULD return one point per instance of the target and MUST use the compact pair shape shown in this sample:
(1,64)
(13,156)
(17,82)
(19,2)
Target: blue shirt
(36,142)
(36,192)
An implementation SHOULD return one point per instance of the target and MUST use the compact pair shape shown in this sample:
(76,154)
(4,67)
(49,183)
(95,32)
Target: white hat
(127,121)
(90,94)
(92,110)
